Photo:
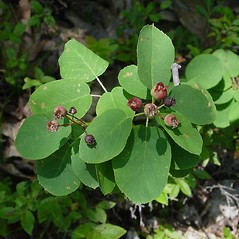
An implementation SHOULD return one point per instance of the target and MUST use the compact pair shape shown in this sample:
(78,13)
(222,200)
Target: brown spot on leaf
(68,187)
(44,87)
(33,102)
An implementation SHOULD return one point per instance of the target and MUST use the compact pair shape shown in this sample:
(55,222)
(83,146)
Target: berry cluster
(59,113)
(160,99)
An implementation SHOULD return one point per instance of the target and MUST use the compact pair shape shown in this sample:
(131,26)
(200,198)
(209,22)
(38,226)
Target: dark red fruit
(159,91)
(169,101)
(72,111)
(150,110)
(134,103)
(52,126)
(89,139)
(59,112)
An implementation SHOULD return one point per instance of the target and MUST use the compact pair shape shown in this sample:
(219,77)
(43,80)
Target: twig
(102,86)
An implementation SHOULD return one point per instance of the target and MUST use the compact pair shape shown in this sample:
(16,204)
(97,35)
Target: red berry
(169,101)
(159,91)
(135,103)
(89,139)
(150,110)
(52,126)
(171,121)
(59,112)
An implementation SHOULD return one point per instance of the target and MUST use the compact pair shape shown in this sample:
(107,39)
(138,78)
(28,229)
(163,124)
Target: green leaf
(3,228)
(83,230)
(55,172)
(106,205)
(143,166)
(27,221)
(162,198)
(85,172)
(178,173)
(114,100)
(129,80)
(230,61)
(233,112)
(34,141)
(98,215)
(223,85)
(205,69)
(111,130)
(236,94)
(185,135)
(155,54)
(183,186)
(222,115)
(182,159)
(172,190)
(19,29)
(222,97)
(194,102)
(37,7)
(65,93)
(10,214)
(79,62)
(106,231)
(30,83)
(106,177)
(202,174)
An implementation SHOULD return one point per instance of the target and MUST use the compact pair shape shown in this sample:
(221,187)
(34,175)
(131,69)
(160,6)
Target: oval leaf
(55,173)
(85,172)
(111,130)
(182,159)
(106,231)
(222,97)
(66,93)
(34,141)
(205,69)
(27,221)
(184,135)
(129,80)
(79,62)
(114,100)
(106,177)
(195,103)
(230,61)
(233,113)
(222,115)
(141,170)
(155,55)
